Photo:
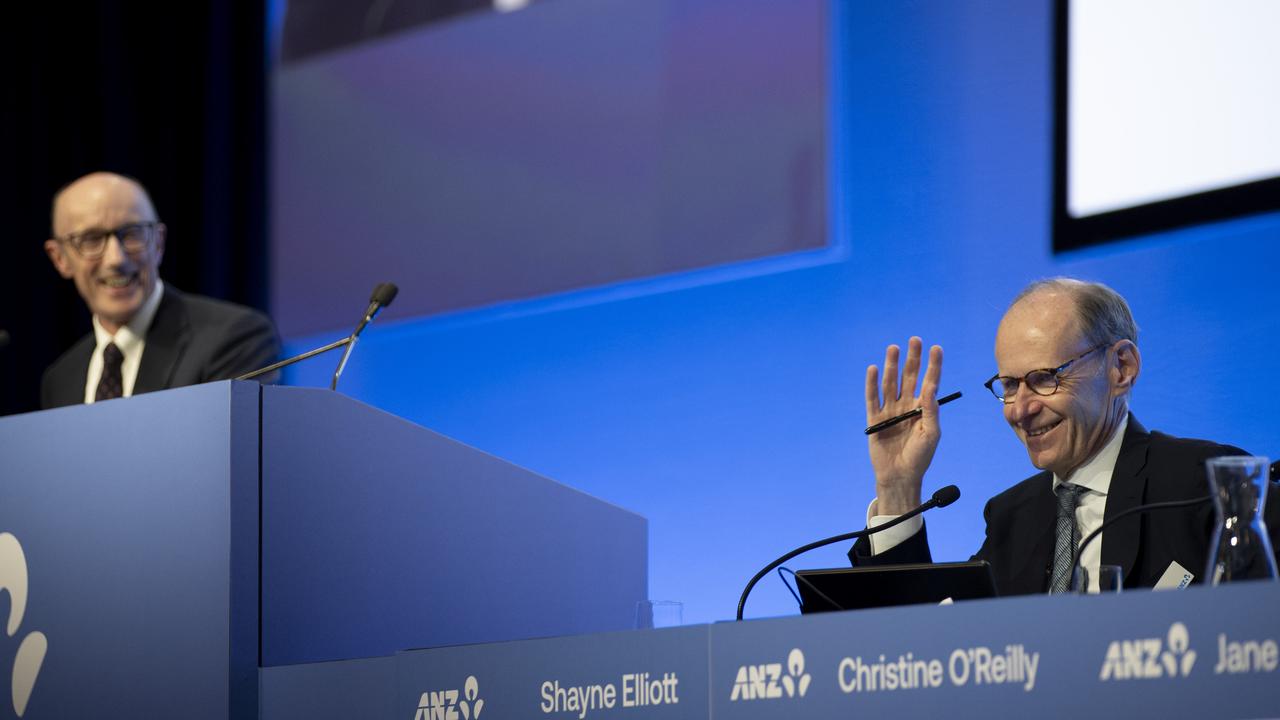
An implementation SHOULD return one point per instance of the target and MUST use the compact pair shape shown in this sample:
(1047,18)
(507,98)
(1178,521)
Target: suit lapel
(1128,488)
(1035,538)
(68,388)
(167,338)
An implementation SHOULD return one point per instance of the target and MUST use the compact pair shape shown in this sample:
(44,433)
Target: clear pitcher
(1240,548)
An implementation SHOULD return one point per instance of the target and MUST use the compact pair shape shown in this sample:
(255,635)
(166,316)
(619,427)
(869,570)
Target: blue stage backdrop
(725,405)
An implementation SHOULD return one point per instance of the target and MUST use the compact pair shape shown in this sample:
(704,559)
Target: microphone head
(383,294)
(945,496)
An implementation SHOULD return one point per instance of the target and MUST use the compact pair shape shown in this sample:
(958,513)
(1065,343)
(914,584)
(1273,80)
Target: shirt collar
(133,332)
(1095,475)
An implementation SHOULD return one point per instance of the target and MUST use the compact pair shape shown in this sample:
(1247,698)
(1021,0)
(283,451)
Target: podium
(174,543)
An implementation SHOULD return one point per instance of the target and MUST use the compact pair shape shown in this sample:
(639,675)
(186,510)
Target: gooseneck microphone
(1149,507)
(942,498)
(383,294)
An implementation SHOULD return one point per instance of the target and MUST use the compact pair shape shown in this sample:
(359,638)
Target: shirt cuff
(886,540)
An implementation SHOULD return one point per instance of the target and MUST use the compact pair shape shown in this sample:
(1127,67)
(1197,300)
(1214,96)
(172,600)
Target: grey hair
(1103,314)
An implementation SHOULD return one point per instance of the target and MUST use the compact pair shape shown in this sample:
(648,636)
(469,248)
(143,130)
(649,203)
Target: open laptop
(887,585)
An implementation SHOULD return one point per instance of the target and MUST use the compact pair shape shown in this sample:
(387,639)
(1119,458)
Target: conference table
(1205,652)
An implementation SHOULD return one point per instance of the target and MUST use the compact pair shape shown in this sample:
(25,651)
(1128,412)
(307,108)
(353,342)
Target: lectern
(173,543)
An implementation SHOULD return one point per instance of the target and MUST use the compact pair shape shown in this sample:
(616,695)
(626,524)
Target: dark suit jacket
(192,340)
(1151,467)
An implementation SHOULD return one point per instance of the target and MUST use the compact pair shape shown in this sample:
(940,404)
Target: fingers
(929,389)
(890,380)
(933,374)
(873,392)
(911,368)
(884,390)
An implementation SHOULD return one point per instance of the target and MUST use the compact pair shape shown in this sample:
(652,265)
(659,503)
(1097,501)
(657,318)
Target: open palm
(901,454)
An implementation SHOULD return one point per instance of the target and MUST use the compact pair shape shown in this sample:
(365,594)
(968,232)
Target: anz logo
(766,682)
(1149,658)
(32,649)
(447,705)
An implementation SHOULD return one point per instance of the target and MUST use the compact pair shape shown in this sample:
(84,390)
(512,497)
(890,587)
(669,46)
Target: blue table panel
(1201,652)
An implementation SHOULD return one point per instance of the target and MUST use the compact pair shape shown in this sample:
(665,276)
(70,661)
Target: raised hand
(901,454)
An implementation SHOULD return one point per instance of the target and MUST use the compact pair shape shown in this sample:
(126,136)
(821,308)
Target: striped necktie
(1068,536)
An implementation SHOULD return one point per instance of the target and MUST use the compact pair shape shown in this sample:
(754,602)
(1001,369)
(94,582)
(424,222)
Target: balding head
(1101,313)
(107,239)
(1080,338)
(99,190)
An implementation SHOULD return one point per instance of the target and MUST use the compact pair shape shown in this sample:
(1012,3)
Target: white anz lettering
(437,705)
(1151,658)
(757,681)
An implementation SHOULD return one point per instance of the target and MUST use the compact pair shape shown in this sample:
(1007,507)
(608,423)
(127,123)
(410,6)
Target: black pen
(908,415)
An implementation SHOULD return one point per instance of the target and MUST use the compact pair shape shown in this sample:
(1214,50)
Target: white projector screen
(1160,101)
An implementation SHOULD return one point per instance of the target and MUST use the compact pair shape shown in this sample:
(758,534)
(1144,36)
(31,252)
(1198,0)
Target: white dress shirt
(1094,476)
(131,339)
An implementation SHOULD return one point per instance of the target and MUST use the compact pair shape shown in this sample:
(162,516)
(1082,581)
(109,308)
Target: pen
(908,415)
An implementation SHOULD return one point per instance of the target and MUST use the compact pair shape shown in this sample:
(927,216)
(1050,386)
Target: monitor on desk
(888,585)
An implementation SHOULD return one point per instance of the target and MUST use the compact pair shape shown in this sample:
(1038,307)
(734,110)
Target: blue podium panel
(364,689)
(379,534)
(1202,652)
(128,542)
(642,674)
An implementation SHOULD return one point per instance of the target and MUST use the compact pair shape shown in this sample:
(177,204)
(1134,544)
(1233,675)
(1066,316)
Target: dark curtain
(173,94)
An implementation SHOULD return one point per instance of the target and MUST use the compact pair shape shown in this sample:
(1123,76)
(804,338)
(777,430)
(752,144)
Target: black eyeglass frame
(77,240)
(1053,372)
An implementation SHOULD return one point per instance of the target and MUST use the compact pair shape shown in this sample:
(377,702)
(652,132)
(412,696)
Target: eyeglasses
(1040,382)
(135,239)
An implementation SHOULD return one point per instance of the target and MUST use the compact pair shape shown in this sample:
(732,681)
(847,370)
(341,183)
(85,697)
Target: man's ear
(59,258)
(1126,367)
(159,243)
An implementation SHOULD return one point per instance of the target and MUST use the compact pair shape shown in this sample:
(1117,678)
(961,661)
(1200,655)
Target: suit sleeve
(46,391)
(914,549)
(250,343)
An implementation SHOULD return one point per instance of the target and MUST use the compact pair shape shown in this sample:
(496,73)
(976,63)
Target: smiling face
(1063,430)
(115,285)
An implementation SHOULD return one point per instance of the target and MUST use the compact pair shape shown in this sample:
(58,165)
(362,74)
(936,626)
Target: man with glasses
(146,335)
(1066,360)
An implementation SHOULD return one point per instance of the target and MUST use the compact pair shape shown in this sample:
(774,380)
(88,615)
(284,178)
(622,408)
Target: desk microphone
(383,294)
(942,498)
